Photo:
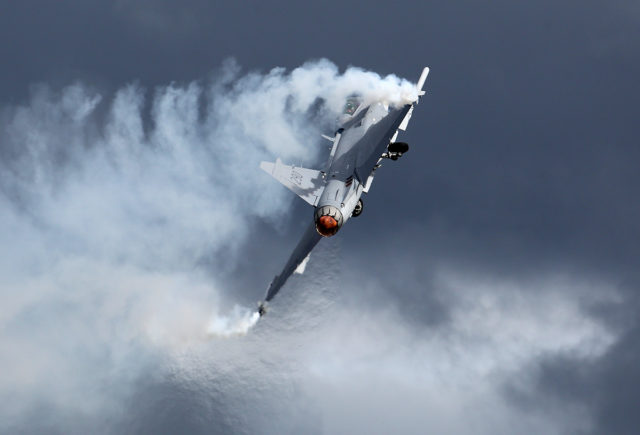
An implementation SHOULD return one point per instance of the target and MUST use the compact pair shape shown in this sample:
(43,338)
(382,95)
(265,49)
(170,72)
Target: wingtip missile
(422,79)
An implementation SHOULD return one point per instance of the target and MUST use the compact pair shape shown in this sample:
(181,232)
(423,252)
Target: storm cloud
(490,286)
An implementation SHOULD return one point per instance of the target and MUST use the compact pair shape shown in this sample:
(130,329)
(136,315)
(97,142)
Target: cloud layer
(123,218)
(121,214)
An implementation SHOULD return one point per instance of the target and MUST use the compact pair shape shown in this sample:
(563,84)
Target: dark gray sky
(517,206)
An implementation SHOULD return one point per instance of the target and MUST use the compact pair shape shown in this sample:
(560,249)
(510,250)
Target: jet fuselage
(367,134)
(363,139)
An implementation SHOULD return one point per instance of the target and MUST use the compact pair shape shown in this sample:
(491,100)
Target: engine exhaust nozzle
(328,220)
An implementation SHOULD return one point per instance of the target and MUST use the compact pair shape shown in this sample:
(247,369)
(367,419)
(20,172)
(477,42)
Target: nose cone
(328,220)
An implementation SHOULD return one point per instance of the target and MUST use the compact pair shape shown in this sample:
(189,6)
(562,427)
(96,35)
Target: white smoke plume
(118,212)
(237,323)
(120,215)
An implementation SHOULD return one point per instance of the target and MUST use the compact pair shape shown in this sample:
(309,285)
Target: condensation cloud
(118,211)
(121,211)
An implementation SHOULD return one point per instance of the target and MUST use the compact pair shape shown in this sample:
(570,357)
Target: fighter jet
(366,136)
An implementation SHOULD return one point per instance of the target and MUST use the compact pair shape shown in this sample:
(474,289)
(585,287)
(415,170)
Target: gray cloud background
(489,287)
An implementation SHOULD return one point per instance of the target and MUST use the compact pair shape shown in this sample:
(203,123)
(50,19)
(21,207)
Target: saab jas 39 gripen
(366,136)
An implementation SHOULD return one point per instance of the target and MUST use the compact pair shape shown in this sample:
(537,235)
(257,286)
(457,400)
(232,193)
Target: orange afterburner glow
(328,220)
(327,226)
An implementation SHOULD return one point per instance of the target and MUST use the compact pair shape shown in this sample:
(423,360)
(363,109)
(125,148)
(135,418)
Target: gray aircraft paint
(360,144)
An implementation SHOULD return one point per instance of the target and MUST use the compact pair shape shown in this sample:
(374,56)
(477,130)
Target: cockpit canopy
(351,106)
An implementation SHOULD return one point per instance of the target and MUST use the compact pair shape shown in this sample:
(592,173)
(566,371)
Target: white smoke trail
(121,213)
(237,323)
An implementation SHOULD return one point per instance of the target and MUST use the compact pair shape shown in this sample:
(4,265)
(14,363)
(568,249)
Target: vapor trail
(237,323)
(122,212)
